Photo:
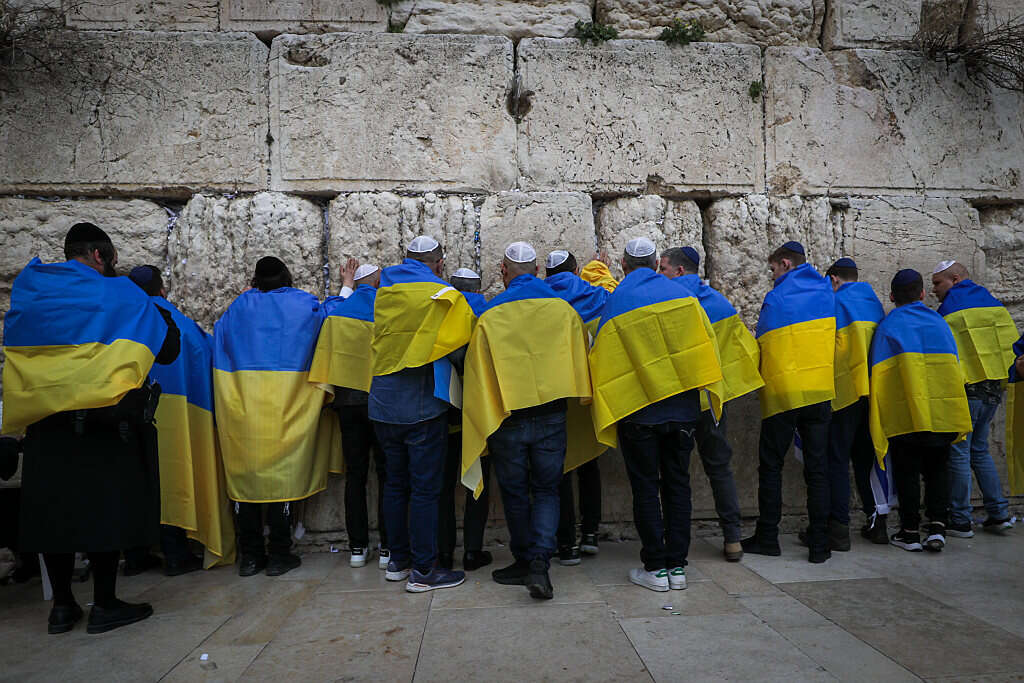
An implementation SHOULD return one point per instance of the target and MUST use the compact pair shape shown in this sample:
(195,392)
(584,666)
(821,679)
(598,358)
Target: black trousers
(916,456)
(589,477)
(250,529)
(474,519)
(358,441)
(60,566)
(716,456)
(777,434)
(849,442)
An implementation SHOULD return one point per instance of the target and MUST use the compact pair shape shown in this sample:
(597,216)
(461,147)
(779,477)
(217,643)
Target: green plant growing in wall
(591,30)
(681,32)
(755,90)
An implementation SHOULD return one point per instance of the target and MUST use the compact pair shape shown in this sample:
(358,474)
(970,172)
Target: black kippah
(269,266)
(905,277)
(84,233)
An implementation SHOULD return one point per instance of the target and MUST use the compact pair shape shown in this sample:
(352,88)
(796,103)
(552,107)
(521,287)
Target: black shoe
(569,555)
(251,565)
(875,530)
(474,559)
(103,619)
(190,563)
(63,618)
(446,561)
(512,575)
(838,536)
(998,526)
(282,564)
(818,555)
(908,540)
(935,536)
(589,544)
(756,546)
(134,567)
(538,582)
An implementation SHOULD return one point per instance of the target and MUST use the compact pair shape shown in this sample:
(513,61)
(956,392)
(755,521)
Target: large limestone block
(885,122)
(302,16)
(1004,257)
(765,22)
(377,227)
(870,23)
(217,240)
(885,234)
(513,18)
(640,116)
(667,222)
(159,15)
(547,220)
(147,113)
(742,231)
(34,227)
(356,112)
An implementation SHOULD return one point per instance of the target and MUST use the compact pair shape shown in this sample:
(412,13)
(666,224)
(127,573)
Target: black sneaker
(569,555)
(935,540)
(908,540)
(512,575)
(818,555)
(282,564)
(589,544)
(756,546)
(474,559)
(875,530)
(251,565)
(63,618)
(960,529)
(538,582)
(998,526)
(103,619)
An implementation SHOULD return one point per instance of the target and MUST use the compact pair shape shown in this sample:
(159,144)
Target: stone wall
(204,134)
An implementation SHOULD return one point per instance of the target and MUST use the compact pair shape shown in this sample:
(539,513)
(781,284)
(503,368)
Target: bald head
(944,280)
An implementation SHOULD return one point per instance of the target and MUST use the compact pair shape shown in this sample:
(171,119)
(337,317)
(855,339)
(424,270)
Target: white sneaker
(383,557)
(656,581)
(677,579)
(358,557)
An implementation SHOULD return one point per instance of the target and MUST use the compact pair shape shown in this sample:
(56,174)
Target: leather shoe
(103,619)
(282,564)
(474,559)
(178,567)
(251,565)
(733,551)
(512,575)
(755,546)
(63,618)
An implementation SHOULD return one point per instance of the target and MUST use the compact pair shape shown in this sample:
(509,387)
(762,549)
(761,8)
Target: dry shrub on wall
(29,39)
(967,31)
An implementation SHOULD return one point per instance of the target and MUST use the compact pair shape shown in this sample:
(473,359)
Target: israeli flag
(447,385)
(883,487)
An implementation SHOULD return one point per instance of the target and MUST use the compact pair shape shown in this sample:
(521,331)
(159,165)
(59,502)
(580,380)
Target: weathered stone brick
(869,23)
(667,222)
(1004,257)
(302,16)
(513,18)
(158,15)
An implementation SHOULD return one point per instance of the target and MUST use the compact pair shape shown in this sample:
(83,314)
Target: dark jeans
(715,455)
(474,520)
(849,441)
(657,460)
(358,441)
(415,465)
(777,434)
(589,477)
(528,455)
(250,529)
(913,456)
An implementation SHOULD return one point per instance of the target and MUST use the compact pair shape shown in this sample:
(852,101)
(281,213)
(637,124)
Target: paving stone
(302,16)
(699,598)
(667,222)
(152,15)
(793,566)
(844,656)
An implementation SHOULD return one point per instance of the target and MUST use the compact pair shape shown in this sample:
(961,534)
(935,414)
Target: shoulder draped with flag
(528,348)
(342,357)
(916,382)
(192,484)
(476,301)
(418,318)
(858,312)
(737,349)
(1015,424)
(268,412)
(654,341)
(983,329)
(796,331)
(588,300)
(597,273)
(74,340)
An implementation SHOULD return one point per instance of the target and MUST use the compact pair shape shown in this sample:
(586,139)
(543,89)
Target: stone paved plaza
(874,614)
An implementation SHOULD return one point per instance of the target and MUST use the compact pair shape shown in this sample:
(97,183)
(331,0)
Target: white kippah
(942,266)
(423,244)
(364,270)
(640,247)
(466,273)
(556,258)
(520,252)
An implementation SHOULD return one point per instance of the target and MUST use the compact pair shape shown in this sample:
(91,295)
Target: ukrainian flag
(476,301)
(916,382)
(268,412)
(796,331)
(654,341)
(74,340)
(597,273)
(418,318)
(858,312)
(737,348)
(1015,425)
(983,329)
(529,348)
(584,297)
(193,493)
(342,357)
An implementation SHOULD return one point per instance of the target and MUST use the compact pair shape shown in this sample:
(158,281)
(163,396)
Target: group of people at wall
(131,415)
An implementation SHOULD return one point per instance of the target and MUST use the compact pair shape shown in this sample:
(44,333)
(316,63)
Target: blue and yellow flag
(1015,424)
(858,312)
(418,318)
(983,329)
(597,273)
(654,341)
(916,382)
(193,494)
(529,348)
(342,357)
(268,412)
(74,340)
(588,300)
(737,349)
(476,301)
(796,331)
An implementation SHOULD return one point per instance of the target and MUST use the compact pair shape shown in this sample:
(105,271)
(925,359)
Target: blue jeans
(415,469)
(972,454)
(528,454)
